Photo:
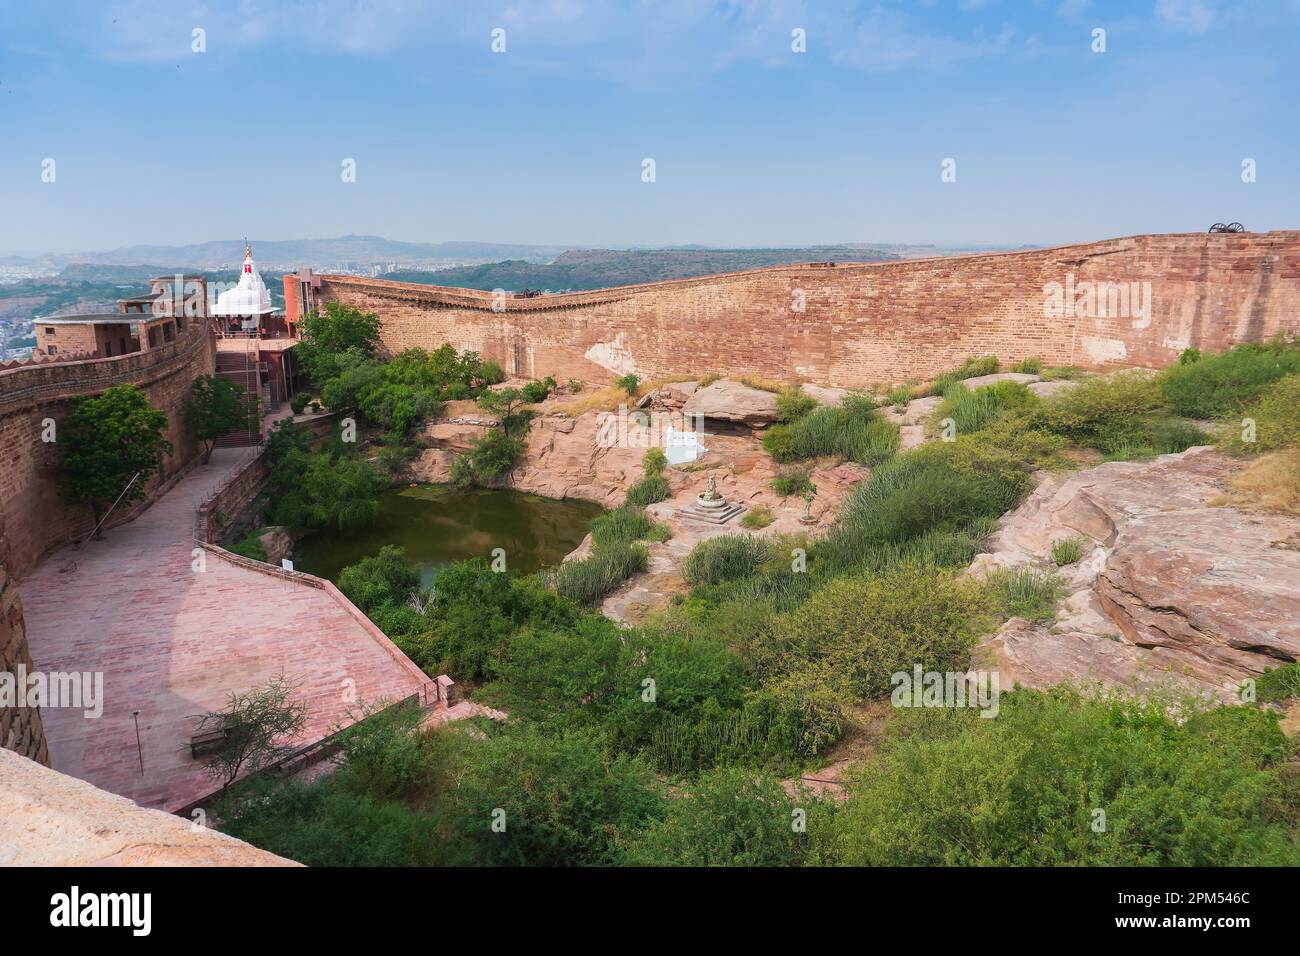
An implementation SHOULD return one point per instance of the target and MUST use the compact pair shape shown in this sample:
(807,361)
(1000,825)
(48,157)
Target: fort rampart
(36,517)
(1138,300)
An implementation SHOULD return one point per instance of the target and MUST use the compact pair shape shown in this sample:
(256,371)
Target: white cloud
(1189,16)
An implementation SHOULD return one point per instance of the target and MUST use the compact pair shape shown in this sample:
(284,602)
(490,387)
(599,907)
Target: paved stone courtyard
(172,643)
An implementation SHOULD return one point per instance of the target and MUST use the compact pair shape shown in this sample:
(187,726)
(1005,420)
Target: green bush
(1121,415)
(1276,418)
(249,546)
(591,578)
(792,404)
(1032,365)
(759,516)
(536,391)
(653,462)
(1223,384)
(726,817)
(949,788)
(628,383)
(385,578)
(1278,683)
(565,800)
(778,441)
(854,633)
(648,490)
(791,482)
(724,558)
(1025,592)
(299,402)
(491,373)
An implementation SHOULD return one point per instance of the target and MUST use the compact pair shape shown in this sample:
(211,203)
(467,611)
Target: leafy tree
(628,383)
(326,336)
(318,490)
(257,726)
(107,439)
(215,406)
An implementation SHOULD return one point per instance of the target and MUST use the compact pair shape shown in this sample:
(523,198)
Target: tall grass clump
(591,578)
(971,368)
(1025,592)
(1223,384)
(853,431)
(726,558)
(940,487)
(972,411)
(620,526)
(793,404)
(1068,550)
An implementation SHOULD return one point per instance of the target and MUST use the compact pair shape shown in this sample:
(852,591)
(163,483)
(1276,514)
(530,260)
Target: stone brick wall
(37,517)
(20,727)
(867,324)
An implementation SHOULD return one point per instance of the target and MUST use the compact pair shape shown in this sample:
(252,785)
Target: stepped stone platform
(713,516)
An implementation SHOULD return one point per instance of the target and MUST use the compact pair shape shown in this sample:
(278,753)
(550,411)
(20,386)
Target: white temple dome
(249,297)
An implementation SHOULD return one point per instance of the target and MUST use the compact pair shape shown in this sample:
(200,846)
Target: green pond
(437,524)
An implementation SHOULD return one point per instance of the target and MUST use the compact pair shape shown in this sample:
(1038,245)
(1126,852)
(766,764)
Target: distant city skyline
(180,123)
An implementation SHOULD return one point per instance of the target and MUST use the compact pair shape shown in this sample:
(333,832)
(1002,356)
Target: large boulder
(1171,589)
(733,402)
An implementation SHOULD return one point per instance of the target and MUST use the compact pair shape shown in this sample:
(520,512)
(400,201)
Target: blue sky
(753,143)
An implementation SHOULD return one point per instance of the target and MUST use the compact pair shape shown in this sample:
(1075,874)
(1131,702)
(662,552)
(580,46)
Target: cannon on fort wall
(1229,227)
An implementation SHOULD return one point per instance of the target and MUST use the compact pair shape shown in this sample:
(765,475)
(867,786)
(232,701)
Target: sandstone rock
(51,819)
(1215,589)
(1173,590)
(1046,389)
(277,542)
(680,391)
(979,381)
(733,402)
(825,394)
(909,436)
(458,435)
(916,412)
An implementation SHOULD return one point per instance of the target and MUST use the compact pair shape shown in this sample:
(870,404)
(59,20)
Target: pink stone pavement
(173,642)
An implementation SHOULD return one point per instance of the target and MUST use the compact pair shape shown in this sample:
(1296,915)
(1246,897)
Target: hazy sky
(753,143)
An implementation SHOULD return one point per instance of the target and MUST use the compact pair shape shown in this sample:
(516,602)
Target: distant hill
(359,252)
(581,269)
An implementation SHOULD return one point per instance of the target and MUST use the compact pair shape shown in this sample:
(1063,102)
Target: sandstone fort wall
(37,518)
(867,324)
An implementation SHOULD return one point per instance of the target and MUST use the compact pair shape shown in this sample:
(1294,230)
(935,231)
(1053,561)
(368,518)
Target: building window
(52,349)
(49,331)
(108,348)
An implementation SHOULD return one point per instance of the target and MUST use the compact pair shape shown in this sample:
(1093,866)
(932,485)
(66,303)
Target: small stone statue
(711,492)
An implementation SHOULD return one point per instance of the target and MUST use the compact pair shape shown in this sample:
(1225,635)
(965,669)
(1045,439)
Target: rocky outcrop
(51,819)
(277,542)
(733,402)
(1171,590)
